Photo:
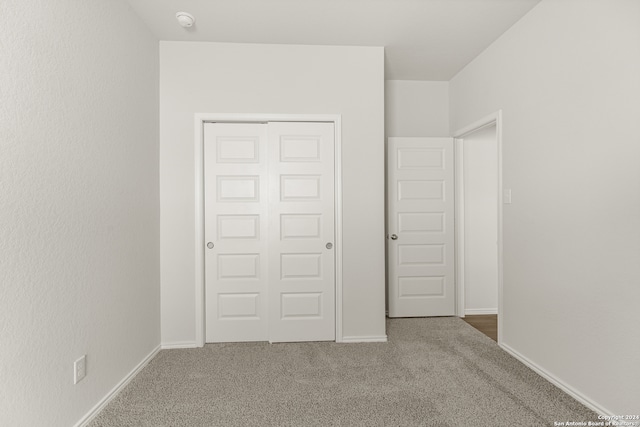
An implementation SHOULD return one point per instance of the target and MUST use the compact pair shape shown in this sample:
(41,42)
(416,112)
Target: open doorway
(479,225)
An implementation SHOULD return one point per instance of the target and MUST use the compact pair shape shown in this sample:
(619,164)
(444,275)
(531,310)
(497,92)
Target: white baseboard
(557,382)
(89,416)
(368,338)
(179,344)
(475,311)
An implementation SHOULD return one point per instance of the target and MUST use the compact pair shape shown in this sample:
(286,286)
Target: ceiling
(423,39)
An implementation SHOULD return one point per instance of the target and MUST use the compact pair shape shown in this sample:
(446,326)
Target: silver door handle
(210,245)
(329,245)
(394,237)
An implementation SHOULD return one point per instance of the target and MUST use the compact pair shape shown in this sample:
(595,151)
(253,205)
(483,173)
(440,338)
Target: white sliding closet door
(301,232)
(236,231)
(269,228)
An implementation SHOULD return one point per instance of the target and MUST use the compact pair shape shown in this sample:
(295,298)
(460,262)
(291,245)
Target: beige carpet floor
(432,372)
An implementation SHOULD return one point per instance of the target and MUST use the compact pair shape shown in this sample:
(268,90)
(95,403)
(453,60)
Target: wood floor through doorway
(485,323)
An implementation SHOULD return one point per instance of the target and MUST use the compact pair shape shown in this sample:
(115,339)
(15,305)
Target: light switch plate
(79,369)
(506,196)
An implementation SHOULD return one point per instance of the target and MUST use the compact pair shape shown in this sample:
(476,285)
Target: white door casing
(493,119)
(269,214)
(420,197)
(477,220)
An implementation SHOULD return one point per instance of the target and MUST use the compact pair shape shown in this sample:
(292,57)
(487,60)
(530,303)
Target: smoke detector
(185,19)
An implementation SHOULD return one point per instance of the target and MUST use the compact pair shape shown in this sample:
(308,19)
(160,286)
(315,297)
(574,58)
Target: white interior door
(269,228)
(236,225)
(420,227)
(301,229)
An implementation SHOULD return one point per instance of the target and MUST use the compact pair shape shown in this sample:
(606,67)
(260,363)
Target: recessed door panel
(301,266)
(296,188)
(417,287)
(300,226)
(238,227)
(238,188)
(238,306)
(239,266)
(419,254)
(237,149)
(419,158)
(421,222)
(305,306)
(298,149)
(420,190)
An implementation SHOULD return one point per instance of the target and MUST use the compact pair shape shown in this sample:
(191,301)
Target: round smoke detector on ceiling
(185,19)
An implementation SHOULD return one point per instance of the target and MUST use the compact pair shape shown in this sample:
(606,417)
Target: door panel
(236,196)
(420,202)
(301,209)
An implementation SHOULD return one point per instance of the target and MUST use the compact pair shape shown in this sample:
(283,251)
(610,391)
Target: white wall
(416,108)
(481,221)
(201,77)
(567,79)
(79,210)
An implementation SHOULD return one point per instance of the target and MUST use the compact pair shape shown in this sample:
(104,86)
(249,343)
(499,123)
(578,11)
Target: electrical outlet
(79,369)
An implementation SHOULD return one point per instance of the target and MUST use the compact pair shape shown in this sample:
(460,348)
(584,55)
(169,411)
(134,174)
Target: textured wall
(416,108)
(79,204)
(567,79)
(277,79)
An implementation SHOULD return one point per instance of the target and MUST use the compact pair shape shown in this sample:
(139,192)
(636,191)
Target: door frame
(490,120)
(199,120)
